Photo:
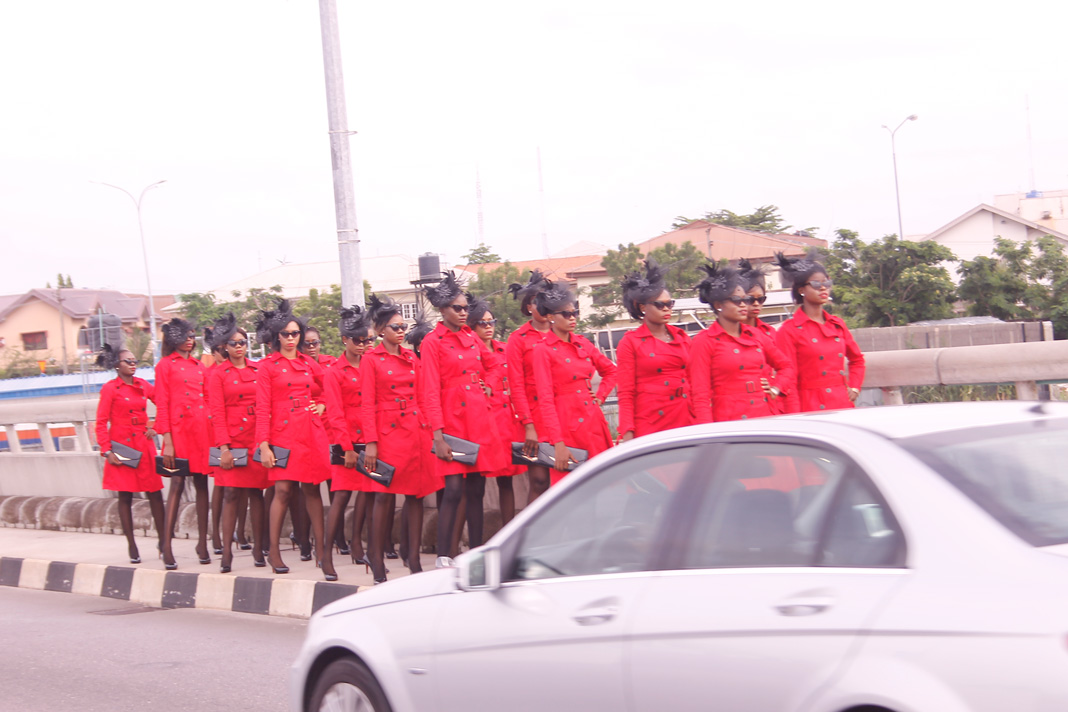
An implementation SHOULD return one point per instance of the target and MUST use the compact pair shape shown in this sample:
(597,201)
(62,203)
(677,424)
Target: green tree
(766,218)
(321,311)
(492,285)
(481,255)
(890,282)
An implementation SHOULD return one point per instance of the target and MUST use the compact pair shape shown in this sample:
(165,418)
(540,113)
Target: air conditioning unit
(68,443)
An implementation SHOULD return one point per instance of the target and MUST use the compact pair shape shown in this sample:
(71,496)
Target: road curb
(175,589)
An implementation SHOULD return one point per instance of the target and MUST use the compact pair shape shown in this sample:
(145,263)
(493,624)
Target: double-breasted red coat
(181,398)
(285,418)
(342,388)
(778,405)
(455,402)
(508,425)
(519,352)
(725,372)
(232,397)
(121,417)
(653,390)
(820,353)
(564,372)
(393,417)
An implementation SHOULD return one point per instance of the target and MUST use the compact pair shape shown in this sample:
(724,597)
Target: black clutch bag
(463,451)
(337,453)
(240,456)
(383,473)
(181,467)
(281,456)
(126,454)
(547,456)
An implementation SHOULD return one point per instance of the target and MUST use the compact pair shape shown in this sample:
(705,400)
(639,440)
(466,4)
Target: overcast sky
(642,111)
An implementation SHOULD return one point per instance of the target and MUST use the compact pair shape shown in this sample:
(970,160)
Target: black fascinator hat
(354,322)
(641,289)
(753,276)
(423,326)
(224,328)
(175,332)
(272,321)
(796,271)
(476,309)
(444,292)
(381,310)
(108,358)
(553,299)
(526,292)
(719,284)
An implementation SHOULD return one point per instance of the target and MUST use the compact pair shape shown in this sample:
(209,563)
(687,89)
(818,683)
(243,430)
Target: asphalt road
(60,651)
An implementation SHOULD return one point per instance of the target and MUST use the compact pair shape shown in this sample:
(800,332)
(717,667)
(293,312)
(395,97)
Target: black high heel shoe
(306,555)
(361,560)
(328,577)
(259,563)
(392,555)
(135,559)
(280,569)
(224,568)
(243,546)
(217,550)
(343,549)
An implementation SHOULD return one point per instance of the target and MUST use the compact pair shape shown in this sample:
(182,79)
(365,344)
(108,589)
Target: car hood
(429,583)
(1059,549)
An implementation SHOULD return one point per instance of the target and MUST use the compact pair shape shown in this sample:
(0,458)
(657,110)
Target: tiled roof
(83,303)
(557,268)
(719,242)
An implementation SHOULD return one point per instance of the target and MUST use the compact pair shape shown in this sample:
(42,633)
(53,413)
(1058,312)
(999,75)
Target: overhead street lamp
(897,190)
(144,253)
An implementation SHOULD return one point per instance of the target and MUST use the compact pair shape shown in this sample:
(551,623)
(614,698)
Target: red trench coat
(181,399)
(778,405)
(284,418)
(342,388)
(455,402)
(392,416)
(653,391)
(519,351)
(508,425)
(121,417)
(563,371)
(725,373)
(232,396)
(819,353)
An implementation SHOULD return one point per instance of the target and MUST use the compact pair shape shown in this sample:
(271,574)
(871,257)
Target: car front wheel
(348,686)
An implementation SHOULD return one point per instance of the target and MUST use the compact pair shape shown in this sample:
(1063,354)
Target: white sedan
(885,559)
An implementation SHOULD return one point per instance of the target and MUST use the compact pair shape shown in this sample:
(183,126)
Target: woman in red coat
(731,364)
(286,418)
(121,418)
(232,394)
(182,418)
(457,404)
(564,365)
(755,279)
(652,360)
(344,413)
(395,432)
(519,352)
(482,323)
(819,344)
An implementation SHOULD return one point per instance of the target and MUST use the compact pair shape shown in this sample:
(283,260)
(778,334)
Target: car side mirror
(480,570)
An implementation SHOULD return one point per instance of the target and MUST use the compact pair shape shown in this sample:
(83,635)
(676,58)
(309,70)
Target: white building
(972,234)
(1048,208)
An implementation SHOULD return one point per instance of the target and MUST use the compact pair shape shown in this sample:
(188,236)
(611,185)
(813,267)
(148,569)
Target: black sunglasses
(361,342)
(398,327)
(129,361)
(817,284)
(760,300)
(738,301)
(289,334)
(236,343)
(568,314)
(486,322)
(313,343)
(457,307)
(662,306)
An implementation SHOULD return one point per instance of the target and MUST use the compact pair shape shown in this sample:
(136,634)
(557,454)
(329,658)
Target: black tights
(335,522)
(174,499)
(506,495)
(539,481)
(380,522)
(233,498)
(472,487)
(155,502)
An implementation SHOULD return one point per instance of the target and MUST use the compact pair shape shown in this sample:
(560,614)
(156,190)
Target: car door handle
(804,605)
(596,616)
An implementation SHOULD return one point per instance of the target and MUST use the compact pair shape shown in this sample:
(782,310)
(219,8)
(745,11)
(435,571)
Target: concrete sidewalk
(97,564)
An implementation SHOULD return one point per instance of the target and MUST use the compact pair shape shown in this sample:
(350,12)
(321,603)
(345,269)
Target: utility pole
(348,236)
(897,190)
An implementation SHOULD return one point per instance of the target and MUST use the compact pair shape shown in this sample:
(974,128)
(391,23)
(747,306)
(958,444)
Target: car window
(608,523)
(765,506)
(861,531)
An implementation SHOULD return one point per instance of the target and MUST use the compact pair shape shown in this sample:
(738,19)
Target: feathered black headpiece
(176,331)
(753,276)
(272,321)
(217,336)
(641,289)
(720,283)
(798,270)
(354,322)
(444,292)
(381,310)
(108,358)
(555,298)
(476,309)
(423,326)
(527,292)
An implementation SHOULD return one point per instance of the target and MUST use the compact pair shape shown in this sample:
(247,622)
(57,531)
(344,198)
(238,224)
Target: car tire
(346,685)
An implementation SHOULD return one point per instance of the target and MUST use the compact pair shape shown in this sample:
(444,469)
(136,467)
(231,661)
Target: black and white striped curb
(295,598)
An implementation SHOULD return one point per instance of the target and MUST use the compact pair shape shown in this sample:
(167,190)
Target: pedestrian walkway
(96,564)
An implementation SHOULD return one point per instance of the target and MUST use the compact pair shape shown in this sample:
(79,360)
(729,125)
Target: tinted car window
(607,524)
(861,531)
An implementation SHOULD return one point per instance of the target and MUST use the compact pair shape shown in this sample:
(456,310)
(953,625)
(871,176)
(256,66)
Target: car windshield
(1014,472)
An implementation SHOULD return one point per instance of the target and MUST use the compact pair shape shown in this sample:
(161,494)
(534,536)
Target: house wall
(38,316)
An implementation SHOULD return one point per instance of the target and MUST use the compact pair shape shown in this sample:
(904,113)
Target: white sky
(642,110)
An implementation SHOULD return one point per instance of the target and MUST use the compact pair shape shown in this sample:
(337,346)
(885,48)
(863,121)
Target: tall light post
(144,252)
(897,190)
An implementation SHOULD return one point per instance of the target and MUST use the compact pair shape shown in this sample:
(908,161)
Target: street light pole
(897,190)
(144,252)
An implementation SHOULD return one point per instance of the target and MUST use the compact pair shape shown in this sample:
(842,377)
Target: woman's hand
(266,456)
(226,460)
(530,444)
(767,387)
(318,408)
(113,459)
(150,433)
(442,450)
(370,457)
(350,459)
(168,451)
(629,435)
(563,458)
(853,393)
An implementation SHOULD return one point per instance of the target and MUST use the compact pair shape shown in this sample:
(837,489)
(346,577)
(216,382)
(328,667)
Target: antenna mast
(541,199)
(478,198)
(1030,146)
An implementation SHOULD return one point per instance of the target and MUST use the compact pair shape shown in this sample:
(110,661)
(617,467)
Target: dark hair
(353,322)
(175,332)
(108,357)
(216,337)
(423,326)
(639,289)
(720,283)
(527,292)
(381,310)
(796,271)
(476,309)
(553,299)
(272,321)
(753,276)
(444,292)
